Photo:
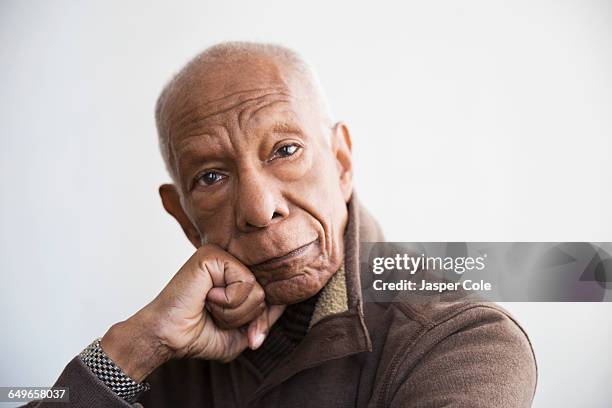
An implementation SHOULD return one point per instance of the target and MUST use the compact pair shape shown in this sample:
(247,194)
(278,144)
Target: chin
(297,288)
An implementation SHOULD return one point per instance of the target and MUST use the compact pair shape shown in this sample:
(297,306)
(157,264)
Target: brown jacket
(354,354)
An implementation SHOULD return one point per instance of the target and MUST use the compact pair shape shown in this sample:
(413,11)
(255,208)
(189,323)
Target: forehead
(240,125)
(238,119)
(238,94)
(241,109)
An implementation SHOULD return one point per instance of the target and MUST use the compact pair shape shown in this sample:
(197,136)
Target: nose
(258,202)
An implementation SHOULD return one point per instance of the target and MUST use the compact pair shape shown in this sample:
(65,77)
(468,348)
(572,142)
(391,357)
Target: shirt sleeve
(85,389)
(484,361)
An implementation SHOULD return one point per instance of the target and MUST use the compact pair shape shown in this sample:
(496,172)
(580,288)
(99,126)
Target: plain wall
(472,121)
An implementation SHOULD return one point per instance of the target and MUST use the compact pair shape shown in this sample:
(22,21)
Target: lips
(301,253)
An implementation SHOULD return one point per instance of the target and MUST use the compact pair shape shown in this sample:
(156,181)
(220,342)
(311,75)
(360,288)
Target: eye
(209,178)
(287,150)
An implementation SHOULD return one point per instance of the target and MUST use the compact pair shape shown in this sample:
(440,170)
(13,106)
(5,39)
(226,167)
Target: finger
(231,296)
(227,317)
(258,331)
(274,312)
(202,271)
(231,279)
(232,318)
(259,328)
(223,267)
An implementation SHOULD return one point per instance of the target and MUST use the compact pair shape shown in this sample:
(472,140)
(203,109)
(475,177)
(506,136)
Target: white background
(472,121)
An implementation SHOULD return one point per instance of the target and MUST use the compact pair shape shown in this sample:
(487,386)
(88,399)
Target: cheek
(315,178)
(295,169)
(215,226)
(208,203)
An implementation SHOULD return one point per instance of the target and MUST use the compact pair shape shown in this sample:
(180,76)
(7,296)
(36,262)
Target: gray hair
(232,51)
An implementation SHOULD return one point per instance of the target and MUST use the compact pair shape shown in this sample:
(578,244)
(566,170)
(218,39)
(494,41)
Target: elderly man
(268,311)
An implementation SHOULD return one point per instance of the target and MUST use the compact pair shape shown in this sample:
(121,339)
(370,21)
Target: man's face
(259,174)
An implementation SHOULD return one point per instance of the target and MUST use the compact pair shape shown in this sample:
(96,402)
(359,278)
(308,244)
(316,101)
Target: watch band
(110,374)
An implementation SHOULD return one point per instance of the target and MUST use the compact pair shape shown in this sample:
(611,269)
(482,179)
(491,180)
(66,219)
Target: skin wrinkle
(184,182)
(327,243)
(240,93)
(223,103)
(246,115)
(203,116)
(200,117)
(265,205)
(241,115)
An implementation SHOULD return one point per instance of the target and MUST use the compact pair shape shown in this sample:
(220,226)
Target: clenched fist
(213,308)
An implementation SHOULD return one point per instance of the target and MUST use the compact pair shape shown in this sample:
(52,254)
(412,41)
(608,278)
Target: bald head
(234,71)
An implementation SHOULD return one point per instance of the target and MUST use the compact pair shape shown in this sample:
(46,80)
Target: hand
(179,321)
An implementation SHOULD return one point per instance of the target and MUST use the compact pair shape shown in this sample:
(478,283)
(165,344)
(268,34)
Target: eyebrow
(284,127)
(194,153)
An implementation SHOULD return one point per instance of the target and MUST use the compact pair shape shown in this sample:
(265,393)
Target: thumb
(260,327)
(274,312)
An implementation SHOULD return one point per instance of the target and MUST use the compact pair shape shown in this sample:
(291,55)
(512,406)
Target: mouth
(277,262)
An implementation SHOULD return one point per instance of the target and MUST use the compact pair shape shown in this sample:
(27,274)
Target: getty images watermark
(493,271)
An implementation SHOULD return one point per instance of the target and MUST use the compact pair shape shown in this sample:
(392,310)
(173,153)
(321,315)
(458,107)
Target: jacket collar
(343,291)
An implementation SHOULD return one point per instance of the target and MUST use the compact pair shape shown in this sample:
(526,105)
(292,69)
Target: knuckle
(236,297)
(260,295)
(232,302)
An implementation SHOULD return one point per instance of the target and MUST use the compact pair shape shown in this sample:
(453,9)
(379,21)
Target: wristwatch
(110,374)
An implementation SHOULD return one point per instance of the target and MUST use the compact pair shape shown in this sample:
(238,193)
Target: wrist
(134,348)
(103,367)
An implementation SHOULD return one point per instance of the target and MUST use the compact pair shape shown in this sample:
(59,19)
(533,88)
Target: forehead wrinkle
(251,111)
(202,110)
(238,93)
(209,135)
(195,117)
(234,95)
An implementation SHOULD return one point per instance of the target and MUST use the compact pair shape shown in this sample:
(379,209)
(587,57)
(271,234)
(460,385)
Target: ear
(172,203)
(342,148)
